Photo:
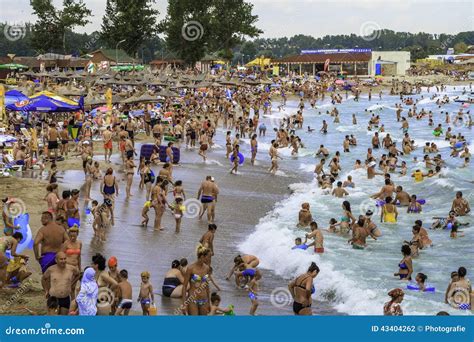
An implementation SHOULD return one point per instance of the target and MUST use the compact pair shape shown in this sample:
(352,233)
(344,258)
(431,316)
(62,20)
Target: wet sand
(243,200)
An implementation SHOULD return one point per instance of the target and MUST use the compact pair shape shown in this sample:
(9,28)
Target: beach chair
(8,165)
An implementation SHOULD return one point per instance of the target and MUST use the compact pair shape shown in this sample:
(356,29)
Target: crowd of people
(76,286)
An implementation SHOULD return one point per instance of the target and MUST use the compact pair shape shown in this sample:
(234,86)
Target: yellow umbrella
(55,97)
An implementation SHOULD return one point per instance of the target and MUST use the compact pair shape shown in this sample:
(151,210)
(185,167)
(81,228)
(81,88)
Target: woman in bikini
(392,308)
(109,188)
(301,289)
(196,300)
(52,198)
(347,219)
(73,247)
(106,285)
(129,171)
(72,209)
(173,282)
(228,144)
(253,148)
(406,265)
(414,207)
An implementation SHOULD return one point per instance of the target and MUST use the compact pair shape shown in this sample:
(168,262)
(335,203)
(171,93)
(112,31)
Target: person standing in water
(301,289)
(392,307)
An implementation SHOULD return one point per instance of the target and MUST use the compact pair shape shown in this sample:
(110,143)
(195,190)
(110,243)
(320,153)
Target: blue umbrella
(13,97)
(44,103)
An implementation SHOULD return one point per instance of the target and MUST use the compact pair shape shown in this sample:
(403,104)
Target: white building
(389,63)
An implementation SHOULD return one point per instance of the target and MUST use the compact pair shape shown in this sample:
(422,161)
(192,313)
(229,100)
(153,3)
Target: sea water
(356,282)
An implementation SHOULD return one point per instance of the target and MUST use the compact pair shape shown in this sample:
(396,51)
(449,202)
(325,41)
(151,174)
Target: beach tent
(127,67)
(13,66)
(46,101)
(13,97)
(260,62)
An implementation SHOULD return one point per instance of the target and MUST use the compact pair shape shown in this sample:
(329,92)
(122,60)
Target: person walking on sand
(207,193)
(48,241)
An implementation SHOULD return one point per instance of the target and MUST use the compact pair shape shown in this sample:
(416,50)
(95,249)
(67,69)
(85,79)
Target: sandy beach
(240,206)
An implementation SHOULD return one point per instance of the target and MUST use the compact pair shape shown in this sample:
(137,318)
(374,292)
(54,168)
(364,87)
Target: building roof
(113,54)
(166,61)
(322,57)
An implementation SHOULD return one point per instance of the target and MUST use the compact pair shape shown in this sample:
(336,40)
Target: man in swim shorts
(58,280)
(208,195)
(50,237)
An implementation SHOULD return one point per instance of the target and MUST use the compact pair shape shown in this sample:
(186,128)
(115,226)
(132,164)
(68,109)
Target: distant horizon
(315,18)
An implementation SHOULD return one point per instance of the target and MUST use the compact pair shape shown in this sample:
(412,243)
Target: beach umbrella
(167,93)
(147,98)
(132,99)
(15,97)
(6,138)
(70,91)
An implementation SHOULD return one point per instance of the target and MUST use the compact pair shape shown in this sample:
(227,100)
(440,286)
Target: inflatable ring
(437,133)
(415,287)
(241,158)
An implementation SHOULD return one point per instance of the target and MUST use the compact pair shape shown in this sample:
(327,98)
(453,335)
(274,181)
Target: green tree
(187,28)
(132,21)
(460,47)
(230,21)
(49,31)
(194,28)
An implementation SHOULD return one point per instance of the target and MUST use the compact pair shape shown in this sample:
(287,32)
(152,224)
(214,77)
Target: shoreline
(236,218)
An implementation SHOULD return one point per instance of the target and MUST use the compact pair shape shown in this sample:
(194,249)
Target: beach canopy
(46,101)
(13,66)
(13,97)
(260,61)
(127,67)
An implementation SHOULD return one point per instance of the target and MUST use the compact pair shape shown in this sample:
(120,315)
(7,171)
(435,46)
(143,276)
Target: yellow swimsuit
(388,217)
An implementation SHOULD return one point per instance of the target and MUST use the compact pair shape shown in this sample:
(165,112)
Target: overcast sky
(279,18)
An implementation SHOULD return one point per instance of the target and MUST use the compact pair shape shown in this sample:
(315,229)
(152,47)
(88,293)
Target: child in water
(252,288)
(125,291)
(145,210)
(215,309)
(146,297)
(178,210)
(300,245)
(332,226)
(420,281)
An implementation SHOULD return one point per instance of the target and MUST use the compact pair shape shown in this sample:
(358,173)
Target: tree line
(193,29)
